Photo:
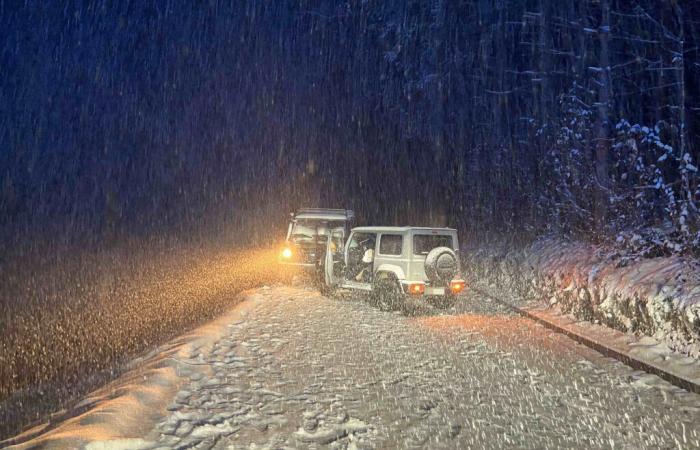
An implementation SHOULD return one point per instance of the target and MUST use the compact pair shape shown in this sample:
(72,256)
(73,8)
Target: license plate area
(434,291)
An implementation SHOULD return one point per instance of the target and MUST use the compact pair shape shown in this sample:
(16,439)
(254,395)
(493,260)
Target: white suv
(393,263)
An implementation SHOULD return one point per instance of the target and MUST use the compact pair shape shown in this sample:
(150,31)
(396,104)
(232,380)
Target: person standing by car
(365,273)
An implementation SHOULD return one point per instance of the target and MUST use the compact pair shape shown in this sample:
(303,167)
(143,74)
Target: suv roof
(400,229)
(324,213)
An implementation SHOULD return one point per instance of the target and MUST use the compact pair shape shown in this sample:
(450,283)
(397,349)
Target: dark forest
(517,117)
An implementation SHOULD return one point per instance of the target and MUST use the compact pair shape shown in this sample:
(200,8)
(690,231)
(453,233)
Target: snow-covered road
(298,370)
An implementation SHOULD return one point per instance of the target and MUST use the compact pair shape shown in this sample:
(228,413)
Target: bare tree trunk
(602,147)
(679,62)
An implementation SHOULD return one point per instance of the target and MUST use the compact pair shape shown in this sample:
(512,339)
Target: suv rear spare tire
(441,265)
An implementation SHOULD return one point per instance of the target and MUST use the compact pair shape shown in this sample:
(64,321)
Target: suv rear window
(423,243)
(390,244)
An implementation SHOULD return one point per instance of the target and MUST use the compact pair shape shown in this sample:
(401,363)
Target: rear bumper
(430,291)
(437,291)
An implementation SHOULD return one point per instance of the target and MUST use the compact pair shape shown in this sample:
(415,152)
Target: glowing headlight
(286,253)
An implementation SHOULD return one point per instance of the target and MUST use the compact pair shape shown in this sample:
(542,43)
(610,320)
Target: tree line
(517,117)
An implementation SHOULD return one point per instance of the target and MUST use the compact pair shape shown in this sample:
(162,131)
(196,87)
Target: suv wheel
(326,291)
(387,294)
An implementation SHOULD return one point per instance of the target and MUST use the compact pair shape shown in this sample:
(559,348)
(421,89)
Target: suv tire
(326,291)
(387,294)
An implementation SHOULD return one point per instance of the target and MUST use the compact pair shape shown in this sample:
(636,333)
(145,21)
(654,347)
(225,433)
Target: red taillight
(416,288)
(457,286)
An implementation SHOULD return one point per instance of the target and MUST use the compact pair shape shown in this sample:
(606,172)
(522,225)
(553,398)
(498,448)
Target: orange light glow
(287,253)
(416,288)
(457,286)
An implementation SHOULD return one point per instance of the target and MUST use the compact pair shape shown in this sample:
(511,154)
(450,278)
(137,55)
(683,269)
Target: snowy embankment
(118,414)
(657,297)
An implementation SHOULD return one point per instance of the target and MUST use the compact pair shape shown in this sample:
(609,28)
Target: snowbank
(75,320)
(658,297)
(120,414)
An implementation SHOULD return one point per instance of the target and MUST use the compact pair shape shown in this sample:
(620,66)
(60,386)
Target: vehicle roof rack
(348,214)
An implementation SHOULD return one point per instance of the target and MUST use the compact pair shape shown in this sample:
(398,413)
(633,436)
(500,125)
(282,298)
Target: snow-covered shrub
(652,203)
(652,192)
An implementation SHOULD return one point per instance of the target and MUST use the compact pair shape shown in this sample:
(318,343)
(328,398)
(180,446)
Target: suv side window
(359,243)
(390,244)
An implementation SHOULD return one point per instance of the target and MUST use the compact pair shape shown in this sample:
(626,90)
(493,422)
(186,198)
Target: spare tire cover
(441,265)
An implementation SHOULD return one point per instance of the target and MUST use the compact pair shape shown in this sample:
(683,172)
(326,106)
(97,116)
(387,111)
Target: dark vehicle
(309,232)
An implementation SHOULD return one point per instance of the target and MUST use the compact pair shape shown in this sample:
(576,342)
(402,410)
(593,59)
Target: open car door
(335,258)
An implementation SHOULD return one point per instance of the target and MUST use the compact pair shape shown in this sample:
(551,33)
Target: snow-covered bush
(653,193)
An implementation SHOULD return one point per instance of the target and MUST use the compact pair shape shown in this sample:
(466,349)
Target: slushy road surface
(300,371)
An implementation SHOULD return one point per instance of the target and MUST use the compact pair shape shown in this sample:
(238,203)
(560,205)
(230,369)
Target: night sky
(142,118)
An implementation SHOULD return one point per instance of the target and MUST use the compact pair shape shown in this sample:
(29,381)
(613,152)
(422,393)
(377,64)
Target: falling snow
(151,151)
